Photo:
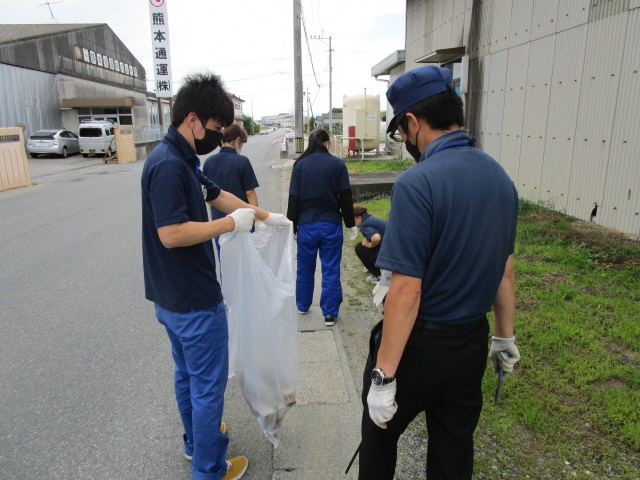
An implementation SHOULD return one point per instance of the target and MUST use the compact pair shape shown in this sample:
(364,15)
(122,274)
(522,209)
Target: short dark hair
(203,94)
(359,211)
(440,110)
(234,131)
(316,143)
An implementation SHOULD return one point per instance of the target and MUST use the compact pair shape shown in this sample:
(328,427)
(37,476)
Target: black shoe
(329,320)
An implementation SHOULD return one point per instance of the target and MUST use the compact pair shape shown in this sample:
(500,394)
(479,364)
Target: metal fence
(149,133)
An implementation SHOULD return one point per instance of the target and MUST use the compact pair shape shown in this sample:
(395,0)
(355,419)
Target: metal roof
(10,33)
(392,61)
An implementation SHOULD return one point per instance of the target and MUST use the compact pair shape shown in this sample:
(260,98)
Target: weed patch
(572,407)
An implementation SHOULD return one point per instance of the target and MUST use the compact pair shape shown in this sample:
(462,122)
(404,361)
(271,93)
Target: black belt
(451,326)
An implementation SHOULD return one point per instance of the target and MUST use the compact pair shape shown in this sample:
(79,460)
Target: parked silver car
(59,142)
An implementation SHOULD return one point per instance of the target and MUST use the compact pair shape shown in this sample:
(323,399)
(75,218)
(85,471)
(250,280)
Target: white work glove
(260,226)
(382,403)
(504,354)
(353,233)
(243,218)
(382,287)
(277,220)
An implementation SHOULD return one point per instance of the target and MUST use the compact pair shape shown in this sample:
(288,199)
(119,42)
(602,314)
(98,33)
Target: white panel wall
(458,27)
(515,96)
(520,22)
(536,110)
(447,24)
(437,25)
(483,46)
(600,80)
(500,28)
(495,103)
(554,94)
(621,205)
(563,116)
(572,13)
(544,19)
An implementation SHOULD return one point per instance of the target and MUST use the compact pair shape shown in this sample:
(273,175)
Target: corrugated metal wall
(515,96)
(553,95)
(563,115)
(621,202)
(598,98)
(35,104)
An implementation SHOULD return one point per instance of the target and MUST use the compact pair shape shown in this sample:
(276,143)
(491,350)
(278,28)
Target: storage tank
(361,118)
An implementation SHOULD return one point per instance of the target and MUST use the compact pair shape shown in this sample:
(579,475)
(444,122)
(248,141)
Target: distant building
(285,120)
(57,75)
(322,121)
(237,108)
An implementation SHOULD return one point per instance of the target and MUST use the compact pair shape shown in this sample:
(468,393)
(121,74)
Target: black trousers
(440,373)
(368,257)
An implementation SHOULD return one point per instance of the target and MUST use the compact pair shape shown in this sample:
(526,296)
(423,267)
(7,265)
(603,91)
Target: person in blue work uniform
(449,245)
(231,171)
(367,250)
(319,199)
(179,267)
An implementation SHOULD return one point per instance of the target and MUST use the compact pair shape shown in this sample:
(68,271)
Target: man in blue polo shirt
(179,268)
(449,244)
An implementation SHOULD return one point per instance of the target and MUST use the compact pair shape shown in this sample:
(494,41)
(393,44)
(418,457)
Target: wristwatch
(379,378)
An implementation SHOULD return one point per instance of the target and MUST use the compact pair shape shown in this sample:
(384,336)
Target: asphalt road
(86,372)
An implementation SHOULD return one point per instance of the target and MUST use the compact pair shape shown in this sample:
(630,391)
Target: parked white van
(96,137)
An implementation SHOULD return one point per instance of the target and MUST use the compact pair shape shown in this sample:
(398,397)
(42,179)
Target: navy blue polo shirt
(452,224)
(316,180)
(178,279)
(232,172)
(371,225)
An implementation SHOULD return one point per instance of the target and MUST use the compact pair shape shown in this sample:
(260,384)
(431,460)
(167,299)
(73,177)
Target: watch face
(377,377)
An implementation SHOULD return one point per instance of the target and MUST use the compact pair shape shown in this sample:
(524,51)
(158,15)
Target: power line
(306,37)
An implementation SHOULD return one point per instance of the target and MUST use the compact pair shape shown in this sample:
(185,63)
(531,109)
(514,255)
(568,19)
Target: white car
(58,142)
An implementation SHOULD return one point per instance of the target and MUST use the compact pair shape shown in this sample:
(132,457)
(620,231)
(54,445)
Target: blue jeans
(199,344)
(327,238)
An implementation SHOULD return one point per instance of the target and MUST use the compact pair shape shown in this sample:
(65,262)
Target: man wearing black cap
(449,243)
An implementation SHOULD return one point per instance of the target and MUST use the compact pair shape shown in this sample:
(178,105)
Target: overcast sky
(248,42)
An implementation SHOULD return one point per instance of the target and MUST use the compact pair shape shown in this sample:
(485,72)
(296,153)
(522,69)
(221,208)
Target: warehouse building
(54,76)
(551,90)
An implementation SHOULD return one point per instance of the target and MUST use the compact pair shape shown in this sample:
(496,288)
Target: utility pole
(297,74)
(252,132)
(330,82)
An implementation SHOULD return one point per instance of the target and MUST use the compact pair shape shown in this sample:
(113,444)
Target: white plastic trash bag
(259,290)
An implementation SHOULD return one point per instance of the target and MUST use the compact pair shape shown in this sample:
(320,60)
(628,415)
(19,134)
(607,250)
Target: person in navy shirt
(319,199)
(449,244)
(367,250)
(179,268)
(231,171)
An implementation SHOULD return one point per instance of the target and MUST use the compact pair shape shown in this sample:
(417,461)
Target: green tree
(249,125)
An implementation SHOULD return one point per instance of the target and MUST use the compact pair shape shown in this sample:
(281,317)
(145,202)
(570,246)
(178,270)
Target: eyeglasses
(396,136)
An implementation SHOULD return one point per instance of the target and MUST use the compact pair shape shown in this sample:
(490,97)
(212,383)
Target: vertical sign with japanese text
(160,43)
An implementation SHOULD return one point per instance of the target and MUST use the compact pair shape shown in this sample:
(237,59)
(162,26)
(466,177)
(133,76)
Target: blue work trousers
(199,344)
(327,238)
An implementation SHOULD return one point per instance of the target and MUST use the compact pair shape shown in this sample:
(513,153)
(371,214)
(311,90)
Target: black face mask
(209,143)
(413,150)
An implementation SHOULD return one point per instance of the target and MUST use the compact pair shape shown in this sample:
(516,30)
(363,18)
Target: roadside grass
(572,407)
(369,166)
